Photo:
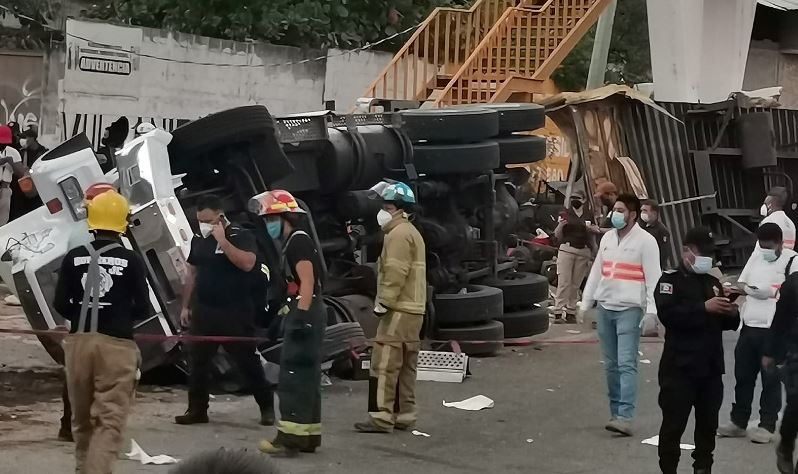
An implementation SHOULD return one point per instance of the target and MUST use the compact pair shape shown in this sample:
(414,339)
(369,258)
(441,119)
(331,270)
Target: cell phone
(733,296)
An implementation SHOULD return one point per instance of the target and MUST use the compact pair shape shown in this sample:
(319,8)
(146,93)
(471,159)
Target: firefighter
(218,300)
(694,311)
(101,290)
(299,388)
(400,305)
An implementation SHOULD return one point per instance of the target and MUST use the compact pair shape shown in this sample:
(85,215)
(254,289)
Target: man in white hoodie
(773,211)
(761,281)
(622,281)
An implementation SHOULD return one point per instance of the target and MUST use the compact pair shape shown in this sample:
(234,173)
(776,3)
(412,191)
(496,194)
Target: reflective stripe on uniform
(623,271)
(91,288)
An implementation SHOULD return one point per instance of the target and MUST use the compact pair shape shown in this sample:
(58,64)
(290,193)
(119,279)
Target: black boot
(65,434)
(570,318)
(784,459)
(267,415)
(192,417)
(703,470)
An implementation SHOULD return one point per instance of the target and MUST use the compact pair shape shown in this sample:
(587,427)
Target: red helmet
(96,189)
(6,136)
(274,202)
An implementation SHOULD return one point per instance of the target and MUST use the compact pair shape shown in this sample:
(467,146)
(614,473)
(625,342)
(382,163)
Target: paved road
(552,395)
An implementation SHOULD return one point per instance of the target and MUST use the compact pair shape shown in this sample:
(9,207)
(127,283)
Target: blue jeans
(619,332)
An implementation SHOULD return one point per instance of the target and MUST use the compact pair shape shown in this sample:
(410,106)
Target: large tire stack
(524,314)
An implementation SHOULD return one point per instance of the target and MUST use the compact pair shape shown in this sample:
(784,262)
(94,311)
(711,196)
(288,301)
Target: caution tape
(521,341)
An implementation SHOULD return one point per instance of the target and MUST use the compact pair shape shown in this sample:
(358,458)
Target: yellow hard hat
(108,211)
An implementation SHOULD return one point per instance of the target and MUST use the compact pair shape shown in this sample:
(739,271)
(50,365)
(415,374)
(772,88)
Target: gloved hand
(760,293)
(379,309)
(650,324)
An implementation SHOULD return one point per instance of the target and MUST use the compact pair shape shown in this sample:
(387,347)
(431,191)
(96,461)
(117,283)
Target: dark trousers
(66,420)
(213,322)
(747,366)
(789,423)
(678,395)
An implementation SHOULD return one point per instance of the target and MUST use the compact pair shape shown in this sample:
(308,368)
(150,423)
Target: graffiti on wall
(21,88)
(118,128)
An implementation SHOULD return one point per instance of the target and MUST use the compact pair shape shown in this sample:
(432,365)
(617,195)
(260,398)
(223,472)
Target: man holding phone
(761,279)
(691,306)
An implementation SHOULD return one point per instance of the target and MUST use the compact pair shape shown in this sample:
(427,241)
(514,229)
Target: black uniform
(663,236)
(691,369)
(223,305)
(782,345)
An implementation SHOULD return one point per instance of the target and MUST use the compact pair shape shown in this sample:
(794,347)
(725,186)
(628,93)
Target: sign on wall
(103,59)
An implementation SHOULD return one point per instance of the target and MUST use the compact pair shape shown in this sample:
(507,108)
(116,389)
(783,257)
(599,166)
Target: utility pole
(601,47)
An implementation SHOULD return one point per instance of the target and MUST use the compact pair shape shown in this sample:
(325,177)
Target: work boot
(558,319)
(370,427)
(731,430)
(267,416)
(784,459)
(192,417)
(702,470)
(621,427)
(760,435)
(570,318)
(65,434)
(277,450)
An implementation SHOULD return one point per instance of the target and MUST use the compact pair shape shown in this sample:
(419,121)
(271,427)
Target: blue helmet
(398,192)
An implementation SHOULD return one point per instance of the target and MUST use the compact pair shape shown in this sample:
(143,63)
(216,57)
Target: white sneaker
(760,435)
(730,430)
(12,300)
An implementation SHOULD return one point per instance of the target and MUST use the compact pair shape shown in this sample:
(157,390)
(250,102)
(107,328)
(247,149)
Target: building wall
(20,88)
(768,66)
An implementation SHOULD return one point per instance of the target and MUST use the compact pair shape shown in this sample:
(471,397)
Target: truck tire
(478,304)
(518,117)
(250,125)
(519,149)
(520,289)
(485,339)
(449,125)
(525,323)
(442,160)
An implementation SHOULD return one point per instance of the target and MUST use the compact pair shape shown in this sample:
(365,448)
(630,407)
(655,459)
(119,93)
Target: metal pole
(601,47)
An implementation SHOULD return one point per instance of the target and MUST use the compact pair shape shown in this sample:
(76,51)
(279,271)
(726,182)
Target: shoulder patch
(666,288)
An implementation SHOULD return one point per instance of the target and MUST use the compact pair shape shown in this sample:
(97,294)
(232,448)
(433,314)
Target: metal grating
(442,360)
(301,129)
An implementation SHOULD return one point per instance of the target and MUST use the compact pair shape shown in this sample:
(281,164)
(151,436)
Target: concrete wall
(768,66)
(20,88)
(175,76)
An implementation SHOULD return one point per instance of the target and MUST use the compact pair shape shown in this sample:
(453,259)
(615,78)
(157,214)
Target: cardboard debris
(480,402)
(138,454)
(654,441)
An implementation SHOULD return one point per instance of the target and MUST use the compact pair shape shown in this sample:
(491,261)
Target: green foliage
(629,61)
(303,23)
(31,14)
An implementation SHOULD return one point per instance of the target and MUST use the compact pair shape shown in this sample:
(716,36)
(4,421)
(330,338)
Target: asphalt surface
(550,408)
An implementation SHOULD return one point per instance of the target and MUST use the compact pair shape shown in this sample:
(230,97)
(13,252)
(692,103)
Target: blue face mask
(769,255)
(274,228)
(618,220)
(702,265)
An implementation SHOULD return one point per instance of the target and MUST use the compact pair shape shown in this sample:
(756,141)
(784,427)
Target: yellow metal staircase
(490,52)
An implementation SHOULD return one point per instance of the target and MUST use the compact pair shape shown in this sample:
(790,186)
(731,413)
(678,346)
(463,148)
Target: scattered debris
(480,402)
(138,454)
(573,331)
(549,389)
(645,361)
(420,433)
(640,353)
(654,441)
(530,440)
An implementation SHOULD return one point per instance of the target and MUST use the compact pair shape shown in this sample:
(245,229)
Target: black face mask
(576,204)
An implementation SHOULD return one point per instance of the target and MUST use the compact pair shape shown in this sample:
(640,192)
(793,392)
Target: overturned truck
(454,158)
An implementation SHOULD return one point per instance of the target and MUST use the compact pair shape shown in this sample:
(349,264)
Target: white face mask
(205,229)
(645,217)
(384,217)
(763,211)
(23,142)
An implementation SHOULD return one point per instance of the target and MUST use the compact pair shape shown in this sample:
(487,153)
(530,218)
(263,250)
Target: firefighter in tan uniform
(101,290)
(400,305)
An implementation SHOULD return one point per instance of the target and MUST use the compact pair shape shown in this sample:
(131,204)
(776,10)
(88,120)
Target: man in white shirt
(773,211)
(8,158)
(622,281)
(761,279)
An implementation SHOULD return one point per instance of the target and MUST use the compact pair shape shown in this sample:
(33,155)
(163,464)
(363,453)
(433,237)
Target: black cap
(30,132)
(701,238)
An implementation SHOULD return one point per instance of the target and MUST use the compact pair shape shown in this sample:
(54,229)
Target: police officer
(691,306)
(218,301)
(649,217)
(782,348)
(400,305)
(102,290)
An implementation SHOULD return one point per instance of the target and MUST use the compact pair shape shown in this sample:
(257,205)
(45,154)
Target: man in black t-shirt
(218,301)
(649,220)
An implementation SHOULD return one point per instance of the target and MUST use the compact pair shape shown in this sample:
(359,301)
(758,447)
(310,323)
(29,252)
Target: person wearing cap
(400,305)
(102,290)
(692,307)
(607,194)
(30,150)
(649,220)
(305,322)
(218,300)
(10,167)
(760,280)
(575,234)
